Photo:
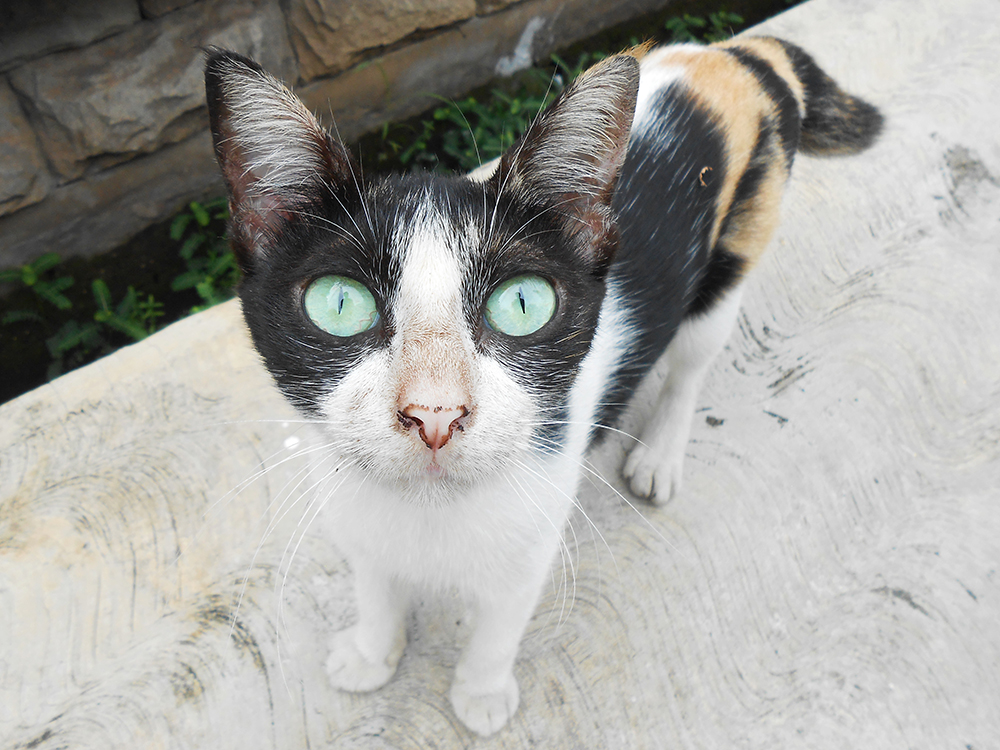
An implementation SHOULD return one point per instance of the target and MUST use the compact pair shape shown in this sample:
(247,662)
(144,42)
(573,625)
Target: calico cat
(460,342)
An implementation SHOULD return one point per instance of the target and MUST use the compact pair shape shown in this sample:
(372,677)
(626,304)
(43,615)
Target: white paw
(654,476)
(351,670)
(484,713)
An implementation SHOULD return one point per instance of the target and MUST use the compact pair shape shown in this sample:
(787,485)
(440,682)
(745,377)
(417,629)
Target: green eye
(521,305)
(340,306)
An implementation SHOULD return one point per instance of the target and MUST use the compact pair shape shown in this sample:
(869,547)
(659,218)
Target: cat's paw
(653,477)
(352,671)
(484,713)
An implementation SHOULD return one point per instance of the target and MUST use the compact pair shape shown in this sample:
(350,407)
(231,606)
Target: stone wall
(103,129)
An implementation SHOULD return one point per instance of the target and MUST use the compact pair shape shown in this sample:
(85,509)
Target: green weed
(460,135)
(47,290)
(78,340)
(716,27)
(211,269)
(95,329)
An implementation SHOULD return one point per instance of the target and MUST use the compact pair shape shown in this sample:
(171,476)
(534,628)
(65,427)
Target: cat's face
(433,326)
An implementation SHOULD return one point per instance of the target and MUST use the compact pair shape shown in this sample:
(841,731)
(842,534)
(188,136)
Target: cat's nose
(434,424)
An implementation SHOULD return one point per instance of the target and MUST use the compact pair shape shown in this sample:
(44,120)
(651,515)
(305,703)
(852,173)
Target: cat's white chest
(480,539)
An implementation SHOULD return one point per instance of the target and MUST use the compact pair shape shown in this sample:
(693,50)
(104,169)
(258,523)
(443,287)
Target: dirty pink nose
(435,424)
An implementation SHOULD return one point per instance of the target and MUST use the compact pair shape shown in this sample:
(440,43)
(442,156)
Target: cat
(461,342)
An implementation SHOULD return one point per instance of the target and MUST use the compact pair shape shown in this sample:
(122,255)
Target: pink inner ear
(259,210)
(256,215)
(266,212)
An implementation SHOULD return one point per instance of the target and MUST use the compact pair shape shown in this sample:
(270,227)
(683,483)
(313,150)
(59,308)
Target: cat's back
(715,132)
(701,118)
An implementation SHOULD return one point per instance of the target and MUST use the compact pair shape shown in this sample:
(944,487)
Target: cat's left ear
(275,157)
(570,157)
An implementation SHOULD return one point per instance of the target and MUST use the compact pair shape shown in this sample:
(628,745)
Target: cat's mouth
(435,471)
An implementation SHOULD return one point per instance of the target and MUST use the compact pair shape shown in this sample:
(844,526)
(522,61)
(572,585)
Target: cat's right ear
(571,155)
(275,157)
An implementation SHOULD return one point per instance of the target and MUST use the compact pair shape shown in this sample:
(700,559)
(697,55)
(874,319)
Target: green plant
(75,341)
(49,290)
(718,26)
(77,334)
(211,268)
(465,133)
(134,317)
(70,346)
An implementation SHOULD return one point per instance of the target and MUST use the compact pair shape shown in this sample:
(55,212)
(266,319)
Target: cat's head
(434,325)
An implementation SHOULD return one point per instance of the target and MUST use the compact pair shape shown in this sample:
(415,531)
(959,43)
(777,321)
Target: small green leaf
(47,261)
(102,295)
(148,311)
(62,283)
(72,335)
(191,244)
(178,225)
(221,263)
(206,291)
(50,292)
(21,316)
(127,305)
(133,330)
(28,275)
(200,214)
(186,280)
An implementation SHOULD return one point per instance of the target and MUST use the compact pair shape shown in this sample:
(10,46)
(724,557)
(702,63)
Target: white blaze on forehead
(658,70)
(430,288)
(433,353)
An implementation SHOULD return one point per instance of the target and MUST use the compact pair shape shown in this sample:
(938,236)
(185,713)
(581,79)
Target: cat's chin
(433,484)
(435,472)
(418,469)
(430,491)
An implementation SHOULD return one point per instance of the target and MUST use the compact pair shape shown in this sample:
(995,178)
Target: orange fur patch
(738,104)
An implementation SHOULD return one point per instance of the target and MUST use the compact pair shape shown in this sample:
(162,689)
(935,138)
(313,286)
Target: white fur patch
(655,75)
(431,280)
(612,342)
(431,361)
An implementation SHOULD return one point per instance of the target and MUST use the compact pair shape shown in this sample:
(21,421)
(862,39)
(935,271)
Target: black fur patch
(666,205)
(723,271)
(531,239)
(330,237)
(835,121)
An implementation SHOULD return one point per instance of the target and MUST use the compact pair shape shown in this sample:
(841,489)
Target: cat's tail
(833,122)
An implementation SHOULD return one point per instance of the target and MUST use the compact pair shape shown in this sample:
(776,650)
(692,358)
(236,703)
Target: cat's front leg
(484,694)
(655,467)
(364,657)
